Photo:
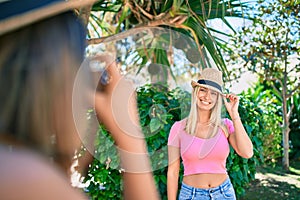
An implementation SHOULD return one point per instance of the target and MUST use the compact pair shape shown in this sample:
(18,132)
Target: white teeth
(205,102)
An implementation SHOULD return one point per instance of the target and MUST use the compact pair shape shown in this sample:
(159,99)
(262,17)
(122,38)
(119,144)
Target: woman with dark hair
(202,142)
(42,46)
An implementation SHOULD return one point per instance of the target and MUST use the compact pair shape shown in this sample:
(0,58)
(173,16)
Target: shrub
(159,109)
(104,176)
(271,122)
(241,170)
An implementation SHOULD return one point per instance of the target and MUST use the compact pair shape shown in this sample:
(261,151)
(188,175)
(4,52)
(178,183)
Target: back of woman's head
(38,64)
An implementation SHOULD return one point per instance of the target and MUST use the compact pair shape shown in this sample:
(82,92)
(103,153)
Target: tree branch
(292,69)
(290,111)
(118,36)
(293,91)
(173,22)
(136,13)
(148,15)
(272,79)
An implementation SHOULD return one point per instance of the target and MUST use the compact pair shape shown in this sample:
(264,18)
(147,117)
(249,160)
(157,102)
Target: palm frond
(188,17)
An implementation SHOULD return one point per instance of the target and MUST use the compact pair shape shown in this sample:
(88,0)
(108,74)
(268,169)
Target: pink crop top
(201,155)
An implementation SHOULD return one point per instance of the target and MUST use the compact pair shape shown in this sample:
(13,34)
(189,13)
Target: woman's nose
(208,94)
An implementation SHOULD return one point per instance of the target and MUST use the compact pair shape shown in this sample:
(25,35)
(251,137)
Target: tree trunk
(285,115)
(285,137)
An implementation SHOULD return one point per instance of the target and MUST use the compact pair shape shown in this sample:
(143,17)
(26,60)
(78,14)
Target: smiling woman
(202,141)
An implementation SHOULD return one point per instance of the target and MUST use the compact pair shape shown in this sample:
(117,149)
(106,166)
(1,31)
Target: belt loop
(193,194)
(222,187)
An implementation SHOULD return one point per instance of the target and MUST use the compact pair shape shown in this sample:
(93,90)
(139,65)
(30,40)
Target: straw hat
(210,78)
(18,13)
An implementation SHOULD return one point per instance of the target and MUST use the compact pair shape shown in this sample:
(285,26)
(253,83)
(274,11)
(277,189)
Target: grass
(273,183)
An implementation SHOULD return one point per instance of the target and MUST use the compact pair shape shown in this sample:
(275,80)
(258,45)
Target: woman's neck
(204,117)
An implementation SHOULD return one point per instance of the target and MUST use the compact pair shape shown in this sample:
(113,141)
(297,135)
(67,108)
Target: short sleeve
(229,124)
(174,139)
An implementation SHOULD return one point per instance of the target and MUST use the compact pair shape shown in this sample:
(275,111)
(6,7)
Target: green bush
(241,170)
(104,176)
(271,132)
(159,109)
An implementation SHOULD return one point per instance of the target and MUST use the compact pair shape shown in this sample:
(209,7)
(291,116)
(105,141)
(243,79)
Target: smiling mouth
(205,102)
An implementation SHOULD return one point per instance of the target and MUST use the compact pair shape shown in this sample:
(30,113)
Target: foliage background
(260,109)
(159,108)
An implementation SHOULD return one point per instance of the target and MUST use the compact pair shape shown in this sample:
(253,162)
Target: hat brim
(23,19)
(195,84)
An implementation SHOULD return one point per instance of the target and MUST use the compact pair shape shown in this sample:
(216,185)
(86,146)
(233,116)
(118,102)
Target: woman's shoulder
(228,124)
(226,121)
(178,127)
(180,123)
(27,175)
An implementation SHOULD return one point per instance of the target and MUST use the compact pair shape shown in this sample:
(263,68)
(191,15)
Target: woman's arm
(173,172)
(116,108)
(239,140)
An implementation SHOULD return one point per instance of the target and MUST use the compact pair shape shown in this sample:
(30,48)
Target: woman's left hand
(232,105)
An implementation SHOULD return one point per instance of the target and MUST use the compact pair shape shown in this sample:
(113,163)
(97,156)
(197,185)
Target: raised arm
(239,140)
(116,108)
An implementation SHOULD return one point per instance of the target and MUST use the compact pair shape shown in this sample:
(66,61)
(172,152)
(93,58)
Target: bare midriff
(204,181)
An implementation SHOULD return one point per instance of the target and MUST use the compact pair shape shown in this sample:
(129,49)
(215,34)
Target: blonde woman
(202,142)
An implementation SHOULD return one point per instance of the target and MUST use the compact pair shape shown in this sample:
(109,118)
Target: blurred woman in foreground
(42,44)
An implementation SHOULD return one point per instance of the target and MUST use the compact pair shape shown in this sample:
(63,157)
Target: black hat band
(211,83)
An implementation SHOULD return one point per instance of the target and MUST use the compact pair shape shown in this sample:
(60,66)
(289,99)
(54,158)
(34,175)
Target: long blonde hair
(215,117)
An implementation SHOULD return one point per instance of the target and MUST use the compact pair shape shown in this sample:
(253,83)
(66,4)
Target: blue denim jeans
(224,191)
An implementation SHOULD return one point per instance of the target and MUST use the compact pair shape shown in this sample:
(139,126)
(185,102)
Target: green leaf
(155,125)
(163,179)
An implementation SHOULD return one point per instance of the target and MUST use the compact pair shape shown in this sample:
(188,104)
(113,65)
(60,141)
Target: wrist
(132,162)
(235,117)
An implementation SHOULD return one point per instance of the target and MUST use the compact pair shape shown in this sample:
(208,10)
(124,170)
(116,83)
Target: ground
(275,184)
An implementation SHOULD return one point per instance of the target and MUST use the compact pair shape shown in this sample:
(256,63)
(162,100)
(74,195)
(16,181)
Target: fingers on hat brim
(194,84)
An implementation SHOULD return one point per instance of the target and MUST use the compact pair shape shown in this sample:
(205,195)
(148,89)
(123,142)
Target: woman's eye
(214,93)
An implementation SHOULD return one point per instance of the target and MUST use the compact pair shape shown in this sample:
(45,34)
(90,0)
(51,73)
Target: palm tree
(159,28)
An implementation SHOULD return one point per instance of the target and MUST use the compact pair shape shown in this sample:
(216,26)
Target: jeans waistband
(222,187)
